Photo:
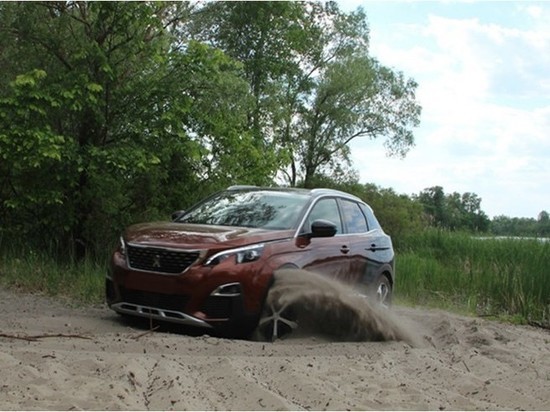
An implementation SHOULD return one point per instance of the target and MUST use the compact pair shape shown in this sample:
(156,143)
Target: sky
(483,74)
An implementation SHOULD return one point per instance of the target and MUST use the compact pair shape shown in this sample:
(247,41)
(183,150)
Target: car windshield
(257,209)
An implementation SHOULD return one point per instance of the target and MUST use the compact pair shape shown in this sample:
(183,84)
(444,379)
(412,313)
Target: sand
(90,358)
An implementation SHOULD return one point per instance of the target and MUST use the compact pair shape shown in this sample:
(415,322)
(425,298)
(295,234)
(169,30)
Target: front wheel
(277,320)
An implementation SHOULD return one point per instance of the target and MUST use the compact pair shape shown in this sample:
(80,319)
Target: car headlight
(242,255)
(122,247)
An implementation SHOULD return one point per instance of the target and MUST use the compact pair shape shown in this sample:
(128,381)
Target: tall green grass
(39,272)
(487,276)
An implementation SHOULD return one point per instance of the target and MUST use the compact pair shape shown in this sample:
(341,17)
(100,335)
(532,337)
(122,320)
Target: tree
(113,112)
(103,111)
(453,211)
(543,224)
(433,200)
(513,226)
(316,88)
(355,97)
(264,37)
(475,218)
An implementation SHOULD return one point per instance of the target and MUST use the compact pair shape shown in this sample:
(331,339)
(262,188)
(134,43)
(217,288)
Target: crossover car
(213,265)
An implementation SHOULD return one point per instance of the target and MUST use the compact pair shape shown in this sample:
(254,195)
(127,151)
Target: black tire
(382,291)
(275,322)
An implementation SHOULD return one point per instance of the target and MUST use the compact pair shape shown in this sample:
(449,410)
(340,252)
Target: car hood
(194,236)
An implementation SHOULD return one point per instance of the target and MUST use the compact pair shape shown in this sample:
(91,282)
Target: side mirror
(177,214)
(323,228)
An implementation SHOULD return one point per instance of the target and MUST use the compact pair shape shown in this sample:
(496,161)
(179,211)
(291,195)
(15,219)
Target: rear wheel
(382,291)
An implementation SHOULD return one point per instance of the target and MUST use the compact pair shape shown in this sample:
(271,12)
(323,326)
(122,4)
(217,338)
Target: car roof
(317,192)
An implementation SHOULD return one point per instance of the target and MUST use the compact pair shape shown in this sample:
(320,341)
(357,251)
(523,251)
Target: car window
(353,217)
(371,219)
(326,209)
(257,209)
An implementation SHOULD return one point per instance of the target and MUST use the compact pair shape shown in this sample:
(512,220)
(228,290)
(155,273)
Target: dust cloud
(328,308)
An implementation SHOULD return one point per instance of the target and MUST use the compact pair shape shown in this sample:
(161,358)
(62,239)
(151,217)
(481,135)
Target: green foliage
(521,226)
(453,211)
(315,86)
(103,114)
(116,112)
(263,36)
(35,159)
(398,213)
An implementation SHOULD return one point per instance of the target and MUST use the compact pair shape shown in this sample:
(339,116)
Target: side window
(326,209)
(371,219)
(354,217)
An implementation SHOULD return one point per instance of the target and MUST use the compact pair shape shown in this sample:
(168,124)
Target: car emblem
(156,261)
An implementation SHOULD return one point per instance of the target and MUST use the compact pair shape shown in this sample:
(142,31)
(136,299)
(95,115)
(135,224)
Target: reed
(502,277)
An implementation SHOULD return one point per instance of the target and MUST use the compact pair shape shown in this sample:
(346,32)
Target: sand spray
(325,306)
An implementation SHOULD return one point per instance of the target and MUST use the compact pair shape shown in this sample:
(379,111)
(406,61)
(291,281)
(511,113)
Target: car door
(326,255)
(367,244)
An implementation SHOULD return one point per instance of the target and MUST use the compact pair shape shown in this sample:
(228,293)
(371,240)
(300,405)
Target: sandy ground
(95,360)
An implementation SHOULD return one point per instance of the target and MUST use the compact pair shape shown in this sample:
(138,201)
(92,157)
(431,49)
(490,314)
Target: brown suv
(212,266)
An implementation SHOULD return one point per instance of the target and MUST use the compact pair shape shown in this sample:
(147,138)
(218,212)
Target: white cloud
(485,94)
(534,11)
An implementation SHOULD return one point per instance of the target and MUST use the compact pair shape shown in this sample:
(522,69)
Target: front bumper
(219,299)
(149,312)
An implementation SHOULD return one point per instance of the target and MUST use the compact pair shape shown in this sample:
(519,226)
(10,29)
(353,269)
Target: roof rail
(237,187)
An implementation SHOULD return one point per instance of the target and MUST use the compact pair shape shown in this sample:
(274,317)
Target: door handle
(344,249)
(374,248)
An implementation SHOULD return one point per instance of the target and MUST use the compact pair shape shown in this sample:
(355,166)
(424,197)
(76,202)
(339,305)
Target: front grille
(155,300)
(160,260)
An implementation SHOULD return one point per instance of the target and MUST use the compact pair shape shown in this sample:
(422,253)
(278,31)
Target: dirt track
(100,362)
